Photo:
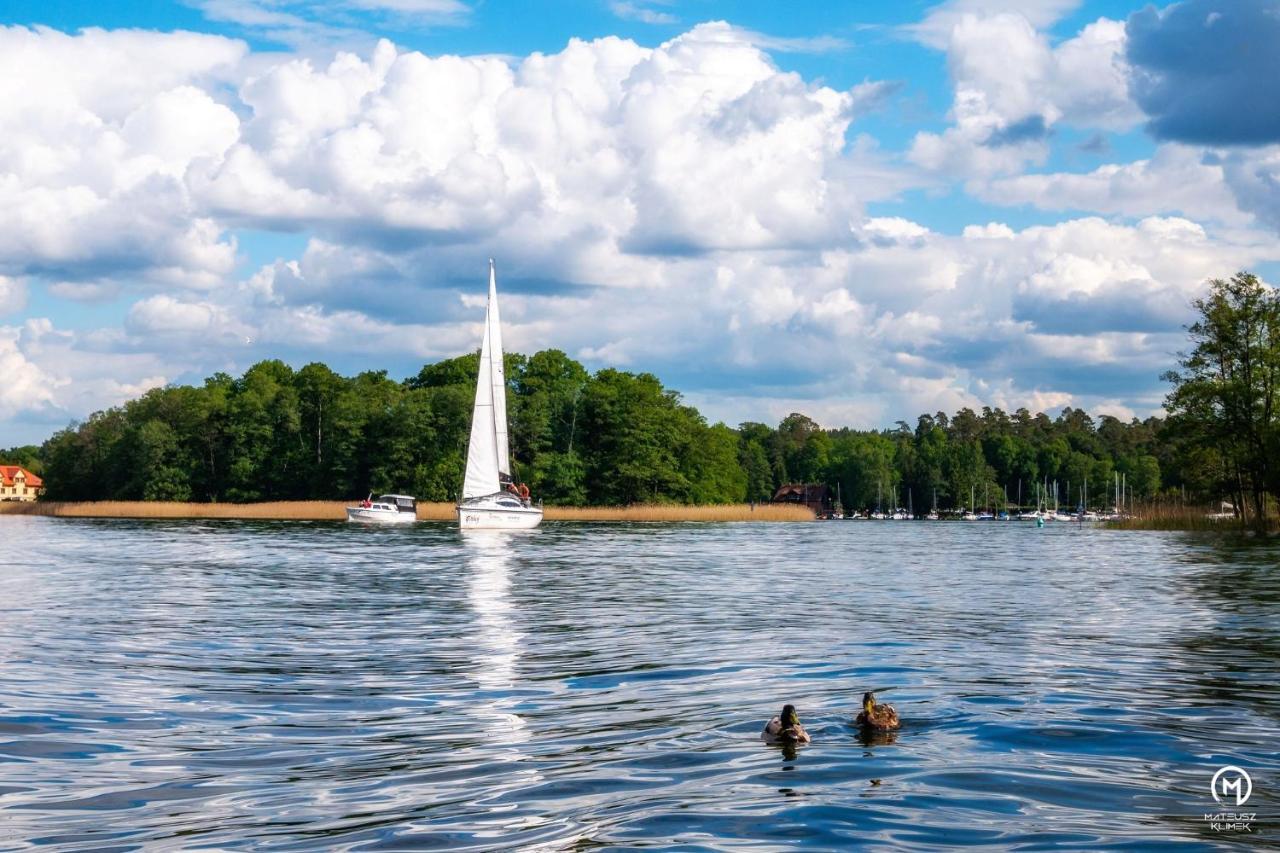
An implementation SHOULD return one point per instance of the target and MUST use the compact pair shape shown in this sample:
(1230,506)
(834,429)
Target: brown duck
(785,728)
(875,717)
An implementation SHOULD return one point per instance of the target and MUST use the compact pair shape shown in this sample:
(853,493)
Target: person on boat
(366,503)
(523,491)
(511,487)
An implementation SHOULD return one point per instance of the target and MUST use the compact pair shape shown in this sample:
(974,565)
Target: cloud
(700,144)
(26,387)
(639,12)
(93,157)
(1254,177)
(937,27)
(1176,179)
(1030,129)
(689,209)
(1012,86)
(796,44)
(13,295)
(194,321)
(1204,71)
(317,23)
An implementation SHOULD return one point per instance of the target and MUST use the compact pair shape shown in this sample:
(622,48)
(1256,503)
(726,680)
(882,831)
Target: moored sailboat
(491,499)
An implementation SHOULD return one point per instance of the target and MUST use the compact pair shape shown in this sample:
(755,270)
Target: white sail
(498,378)
(484,504)
(482,449)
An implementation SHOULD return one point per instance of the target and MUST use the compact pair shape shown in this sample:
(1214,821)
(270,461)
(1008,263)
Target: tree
(753,458)
(632,438)
(1225,393)
(28,456)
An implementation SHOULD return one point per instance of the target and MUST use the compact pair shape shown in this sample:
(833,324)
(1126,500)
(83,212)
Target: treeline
(281,434)
(618,438)
(970,460)
(577,438)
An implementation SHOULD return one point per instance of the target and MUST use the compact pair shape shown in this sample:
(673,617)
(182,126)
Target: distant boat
(490,497)
(387,509)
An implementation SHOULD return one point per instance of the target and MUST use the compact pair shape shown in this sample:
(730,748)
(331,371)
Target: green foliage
(279,434)
(618,438)
(28,456)
(1225,401)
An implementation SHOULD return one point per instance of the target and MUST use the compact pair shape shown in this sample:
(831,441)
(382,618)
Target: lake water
(297,686)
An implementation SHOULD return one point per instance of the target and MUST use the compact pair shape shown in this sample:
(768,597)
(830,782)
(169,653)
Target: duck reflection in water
(873,737)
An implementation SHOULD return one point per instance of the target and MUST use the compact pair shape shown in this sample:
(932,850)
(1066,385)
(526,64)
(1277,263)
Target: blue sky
(860,211)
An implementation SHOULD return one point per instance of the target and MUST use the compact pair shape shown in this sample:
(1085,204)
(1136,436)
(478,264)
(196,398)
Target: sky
(858,211)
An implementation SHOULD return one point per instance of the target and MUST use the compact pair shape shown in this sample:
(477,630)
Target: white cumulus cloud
(1012,86)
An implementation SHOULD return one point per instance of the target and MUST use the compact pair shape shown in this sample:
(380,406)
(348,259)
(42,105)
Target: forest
(616,438)
(606,438)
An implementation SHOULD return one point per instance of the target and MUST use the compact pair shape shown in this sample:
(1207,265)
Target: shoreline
(427,511)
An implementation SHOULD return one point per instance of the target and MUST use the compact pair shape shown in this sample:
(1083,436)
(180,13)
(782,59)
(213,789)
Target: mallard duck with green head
(876,717)
(785,728)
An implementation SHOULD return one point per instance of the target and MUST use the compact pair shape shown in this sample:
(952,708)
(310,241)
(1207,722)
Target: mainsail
(488,455)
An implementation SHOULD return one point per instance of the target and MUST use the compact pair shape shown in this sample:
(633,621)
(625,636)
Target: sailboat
(490,498)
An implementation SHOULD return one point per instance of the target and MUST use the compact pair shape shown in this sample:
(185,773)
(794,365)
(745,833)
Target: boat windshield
(404,503)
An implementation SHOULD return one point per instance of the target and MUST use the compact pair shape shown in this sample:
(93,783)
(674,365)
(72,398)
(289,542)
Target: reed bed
(676,512)
(280,510)
(1168,516)
(437,511)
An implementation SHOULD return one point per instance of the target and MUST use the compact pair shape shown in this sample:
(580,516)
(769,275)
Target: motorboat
(385,509)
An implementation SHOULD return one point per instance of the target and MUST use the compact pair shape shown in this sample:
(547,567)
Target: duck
(875,717)
(785,728)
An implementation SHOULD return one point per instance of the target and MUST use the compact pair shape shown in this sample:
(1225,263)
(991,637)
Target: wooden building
(815,496)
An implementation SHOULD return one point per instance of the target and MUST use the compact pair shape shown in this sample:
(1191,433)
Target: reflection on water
(302,686)
(497,640)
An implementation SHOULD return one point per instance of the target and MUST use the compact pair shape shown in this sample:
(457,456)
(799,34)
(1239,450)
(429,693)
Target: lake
(296,686)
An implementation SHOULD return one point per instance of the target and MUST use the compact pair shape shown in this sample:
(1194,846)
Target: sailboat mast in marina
(491,498)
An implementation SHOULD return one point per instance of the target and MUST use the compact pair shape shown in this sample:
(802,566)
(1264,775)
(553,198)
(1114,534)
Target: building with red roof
(19,484)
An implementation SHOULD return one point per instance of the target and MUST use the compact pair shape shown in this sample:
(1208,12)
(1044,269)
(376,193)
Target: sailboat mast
(498,377)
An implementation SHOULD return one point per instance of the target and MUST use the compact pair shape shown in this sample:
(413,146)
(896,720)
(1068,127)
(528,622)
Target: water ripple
(294,686)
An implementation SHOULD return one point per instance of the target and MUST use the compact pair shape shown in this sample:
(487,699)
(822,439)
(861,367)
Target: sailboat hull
(498,513)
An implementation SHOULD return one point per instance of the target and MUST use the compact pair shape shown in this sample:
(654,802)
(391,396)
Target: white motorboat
(491,499)
(387,509)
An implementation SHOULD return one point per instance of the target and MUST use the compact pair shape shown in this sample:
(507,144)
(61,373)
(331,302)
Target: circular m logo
(1231,784)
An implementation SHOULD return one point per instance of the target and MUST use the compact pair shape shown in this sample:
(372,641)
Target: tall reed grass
(439,511)
(297,510)
(665,512)
(1171,516)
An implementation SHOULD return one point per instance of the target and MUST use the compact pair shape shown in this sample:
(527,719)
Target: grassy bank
(336,511)
(1181,517)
